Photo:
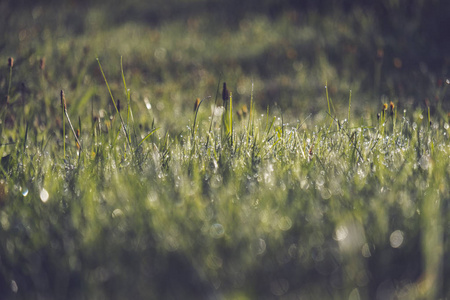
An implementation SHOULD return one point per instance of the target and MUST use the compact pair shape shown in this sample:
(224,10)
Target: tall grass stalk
(63,102)
(212,112)
(10,65)
(230,114)
(349,106)
(250,117)
(115,105)
(128,96)
(196,113)
(328,102)
(63,122)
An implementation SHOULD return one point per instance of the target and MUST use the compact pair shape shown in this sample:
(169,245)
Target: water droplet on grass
(44,195)
(24,191)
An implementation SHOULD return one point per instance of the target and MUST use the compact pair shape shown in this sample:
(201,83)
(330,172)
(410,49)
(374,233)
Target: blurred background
(174,51)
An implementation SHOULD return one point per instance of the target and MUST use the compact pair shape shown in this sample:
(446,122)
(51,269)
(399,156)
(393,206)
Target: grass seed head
(244,110)
(239,114)
(380,53)
(225,94)
(384,109)
(10,62)
(196,104)
(42,63)
(63,100)
(78,136)
(391,108)
(397,63)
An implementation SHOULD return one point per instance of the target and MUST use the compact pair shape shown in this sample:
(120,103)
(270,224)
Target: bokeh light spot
(341,233)
(396,239)
(44,195)
(216,231)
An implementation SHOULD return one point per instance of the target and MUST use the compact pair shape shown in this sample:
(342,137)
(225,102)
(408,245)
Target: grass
(278,210)
(328,197)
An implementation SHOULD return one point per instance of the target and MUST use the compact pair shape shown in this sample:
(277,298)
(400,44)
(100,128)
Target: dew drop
(147,103)
(24,191)
(44,195)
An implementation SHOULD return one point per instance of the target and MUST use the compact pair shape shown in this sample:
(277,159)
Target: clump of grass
(125,128)
(260,209)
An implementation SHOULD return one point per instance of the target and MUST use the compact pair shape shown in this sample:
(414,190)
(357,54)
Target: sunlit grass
(257,206)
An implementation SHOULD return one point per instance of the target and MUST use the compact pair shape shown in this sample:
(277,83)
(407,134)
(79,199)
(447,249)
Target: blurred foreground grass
(313,198)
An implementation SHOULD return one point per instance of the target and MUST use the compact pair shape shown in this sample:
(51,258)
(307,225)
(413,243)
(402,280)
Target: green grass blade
(114,102)
(231,118)
(212,113)
(147,136)
(250,116)
(123,76)
(196,113)
(349,106)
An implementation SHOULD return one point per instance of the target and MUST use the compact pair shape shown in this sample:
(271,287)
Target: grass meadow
(129,170)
